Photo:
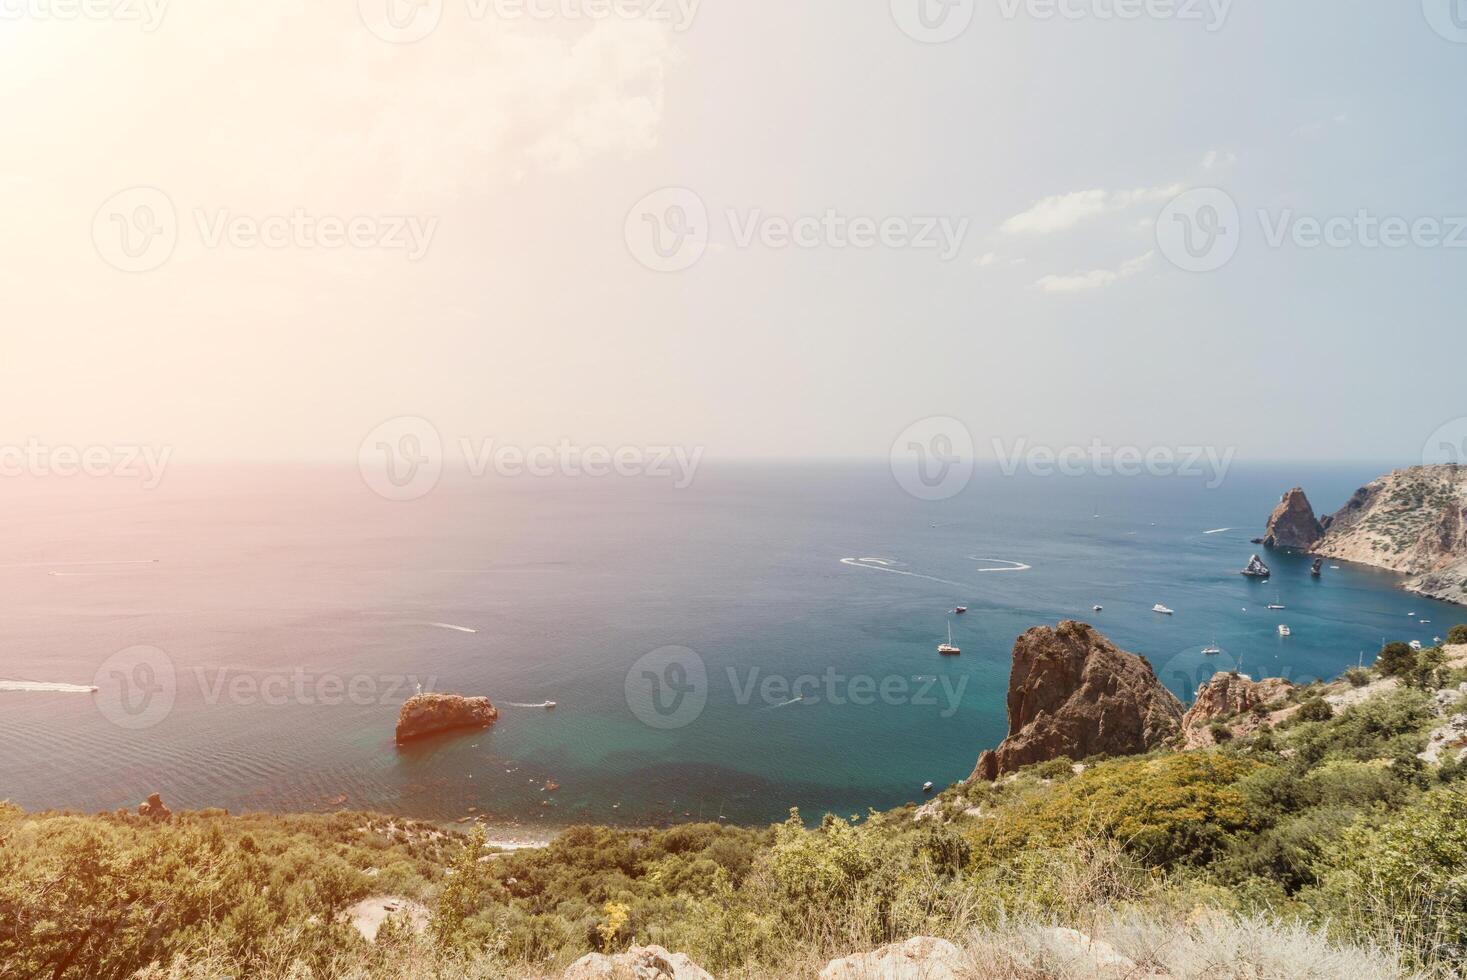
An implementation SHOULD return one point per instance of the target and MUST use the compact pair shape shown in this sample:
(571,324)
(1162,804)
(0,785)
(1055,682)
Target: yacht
(948,649)
(1097,608)
(1212,649)
(960,610)
(549,705)
(1415,644)
(1284,630)
(1159,608)
(927,787)
(1278,603)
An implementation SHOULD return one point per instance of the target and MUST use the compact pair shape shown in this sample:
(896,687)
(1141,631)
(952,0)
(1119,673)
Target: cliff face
(1412,521)
(429,714)
(1074,693)
(1230,696)
(1292,523)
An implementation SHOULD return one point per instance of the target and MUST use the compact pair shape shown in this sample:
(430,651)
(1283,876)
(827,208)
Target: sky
(256,230)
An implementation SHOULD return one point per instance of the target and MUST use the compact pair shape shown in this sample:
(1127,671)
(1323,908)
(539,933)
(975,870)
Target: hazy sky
(499,283)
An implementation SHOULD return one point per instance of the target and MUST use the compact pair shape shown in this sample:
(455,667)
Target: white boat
(1098,608)
(549,705)
(1159,608)
(1415,644)
(1285,631)
(1212,649)
(948,649)
(927,787)
(960,610)
(1278,603)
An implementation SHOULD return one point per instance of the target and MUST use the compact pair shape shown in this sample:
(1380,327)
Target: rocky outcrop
(1292,523)
(1229,696)
(919,958)
(154,808)
(1256,568)
(1074,693)
(1412,521)
(637,963)
(429,714)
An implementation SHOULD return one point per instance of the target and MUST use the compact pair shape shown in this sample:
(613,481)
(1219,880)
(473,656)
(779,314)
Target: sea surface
(254,631)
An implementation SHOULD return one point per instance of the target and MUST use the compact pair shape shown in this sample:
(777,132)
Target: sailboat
(1278,603)
(1212,649)
(948,649)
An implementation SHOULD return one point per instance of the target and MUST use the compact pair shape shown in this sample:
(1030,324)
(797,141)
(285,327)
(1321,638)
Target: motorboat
(1159,608)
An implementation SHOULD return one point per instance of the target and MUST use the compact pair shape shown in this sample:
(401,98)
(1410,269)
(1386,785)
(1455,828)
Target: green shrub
(1394,659)
(1358,676)
(1457,635)
(1316,709)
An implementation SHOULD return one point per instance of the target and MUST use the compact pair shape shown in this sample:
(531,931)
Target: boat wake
(450,626)
(882,565)
(1004,565)
(1219,530)
(522,704)
(37,686)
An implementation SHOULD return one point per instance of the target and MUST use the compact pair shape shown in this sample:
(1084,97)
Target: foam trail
(38,686)
(1218,530)
(1014,566)
(519,704)
(450,626)
(861,563)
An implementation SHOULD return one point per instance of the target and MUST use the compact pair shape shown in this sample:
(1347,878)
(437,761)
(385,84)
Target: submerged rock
(1256,568)
(1292,523)
(429,714)
(1074,693)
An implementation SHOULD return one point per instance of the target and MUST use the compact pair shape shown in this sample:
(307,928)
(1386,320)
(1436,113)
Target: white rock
(1098,956)
(919,958)
(639,963)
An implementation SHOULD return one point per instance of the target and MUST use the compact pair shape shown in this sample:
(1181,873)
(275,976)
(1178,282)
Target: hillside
(1319,834)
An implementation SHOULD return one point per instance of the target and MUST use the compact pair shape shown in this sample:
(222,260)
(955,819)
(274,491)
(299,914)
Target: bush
(1316,709)
(1457,635)
(1358,676)
(1395,658)
(1220,732)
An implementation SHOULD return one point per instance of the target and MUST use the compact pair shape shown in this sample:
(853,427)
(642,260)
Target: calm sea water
(256,585)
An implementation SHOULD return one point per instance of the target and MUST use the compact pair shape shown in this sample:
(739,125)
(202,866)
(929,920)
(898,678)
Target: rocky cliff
(1230,698)
(429,714)
(1292,523)
(1074,693)
(1412,521)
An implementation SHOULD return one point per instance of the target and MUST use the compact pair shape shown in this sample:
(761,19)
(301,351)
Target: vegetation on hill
(1325,827)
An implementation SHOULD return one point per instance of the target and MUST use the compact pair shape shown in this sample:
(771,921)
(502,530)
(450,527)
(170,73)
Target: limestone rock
(154,808)
(429,714)
(1074,693)
(1256,568)
(637,963)
(919,958)
(1099,958)
(1292,523)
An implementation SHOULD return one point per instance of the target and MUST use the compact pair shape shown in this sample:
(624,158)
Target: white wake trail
(450,626)
(861,563)
(39,686)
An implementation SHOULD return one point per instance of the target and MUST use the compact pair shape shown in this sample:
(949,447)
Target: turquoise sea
(285,613)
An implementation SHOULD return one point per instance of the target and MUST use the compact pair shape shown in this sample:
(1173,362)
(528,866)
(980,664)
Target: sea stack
(1256,568)
(1292,523)
(429,714)
(1074,693)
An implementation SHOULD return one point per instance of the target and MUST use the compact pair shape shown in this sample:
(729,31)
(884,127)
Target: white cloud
(1061,212)
(1095,278)
(1218,159)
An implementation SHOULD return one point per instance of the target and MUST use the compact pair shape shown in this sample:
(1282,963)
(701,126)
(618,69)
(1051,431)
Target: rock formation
(1256,568)
(919,957)
(154,808)
(429,714)
(1225,696)
(1074,693)
(1412,521)
(1292,523)
(637,963)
